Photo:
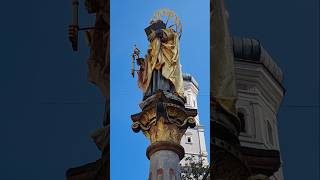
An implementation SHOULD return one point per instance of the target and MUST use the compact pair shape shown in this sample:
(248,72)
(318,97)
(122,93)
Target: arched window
(188,138)
(242,115)
(270,134)
(188,99)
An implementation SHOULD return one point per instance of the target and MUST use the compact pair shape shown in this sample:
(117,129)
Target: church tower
(260,94)
(193,141)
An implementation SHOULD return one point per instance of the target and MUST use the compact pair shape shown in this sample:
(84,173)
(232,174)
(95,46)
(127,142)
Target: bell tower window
(189,139)
(242,117)
(270,134)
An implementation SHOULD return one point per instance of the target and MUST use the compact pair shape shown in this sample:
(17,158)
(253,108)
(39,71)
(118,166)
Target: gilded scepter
(135,55)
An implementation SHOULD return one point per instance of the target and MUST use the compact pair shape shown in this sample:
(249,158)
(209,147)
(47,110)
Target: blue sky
(128,20)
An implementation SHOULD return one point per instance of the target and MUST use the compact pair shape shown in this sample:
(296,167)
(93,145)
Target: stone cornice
(251,50)
(256,80)
(189,78)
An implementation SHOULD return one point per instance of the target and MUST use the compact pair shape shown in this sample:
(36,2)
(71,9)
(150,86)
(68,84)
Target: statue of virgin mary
(161,69)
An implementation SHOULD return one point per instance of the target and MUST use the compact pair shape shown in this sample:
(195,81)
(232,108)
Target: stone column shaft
(164,164)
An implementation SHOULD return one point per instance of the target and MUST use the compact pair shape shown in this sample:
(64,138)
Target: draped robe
(163,56)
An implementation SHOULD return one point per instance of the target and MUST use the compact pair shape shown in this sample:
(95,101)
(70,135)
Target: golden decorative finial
(135,55)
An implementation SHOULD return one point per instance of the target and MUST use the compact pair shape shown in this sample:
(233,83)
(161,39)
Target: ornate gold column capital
(163,118)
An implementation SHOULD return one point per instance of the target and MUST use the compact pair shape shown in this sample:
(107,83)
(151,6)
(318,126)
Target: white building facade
(260,94)
(193,140)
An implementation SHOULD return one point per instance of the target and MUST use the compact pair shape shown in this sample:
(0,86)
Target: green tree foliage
(194,169)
